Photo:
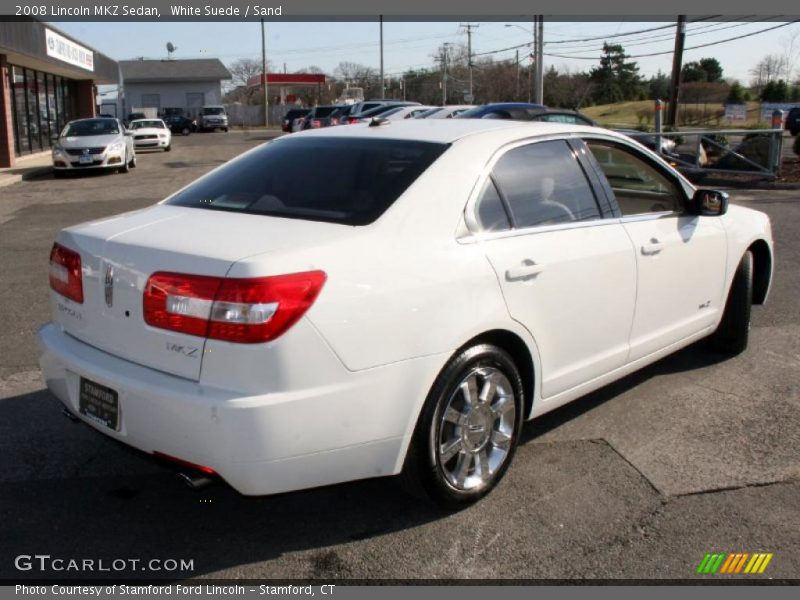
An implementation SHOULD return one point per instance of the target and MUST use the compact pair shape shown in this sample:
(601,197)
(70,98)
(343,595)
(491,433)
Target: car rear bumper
(354,428)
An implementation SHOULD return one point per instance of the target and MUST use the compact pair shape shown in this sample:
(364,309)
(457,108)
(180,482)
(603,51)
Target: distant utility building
(172,84)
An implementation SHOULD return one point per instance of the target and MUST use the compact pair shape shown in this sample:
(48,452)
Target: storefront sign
(64,49)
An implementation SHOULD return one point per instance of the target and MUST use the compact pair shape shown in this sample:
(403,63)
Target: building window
(194,102)
(21,112)
(43,113)
(41,105)
(151,101)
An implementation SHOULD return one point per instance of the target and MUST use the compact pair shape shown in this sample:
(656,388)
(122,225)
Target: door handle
(652,248)
(526,270)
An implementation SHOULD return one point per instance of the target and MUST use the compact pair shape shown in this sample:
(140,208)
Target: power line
(739,37)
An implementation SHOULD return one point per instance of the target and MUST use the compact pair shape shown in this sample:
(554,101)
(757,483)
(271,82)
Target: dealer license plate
(99,403)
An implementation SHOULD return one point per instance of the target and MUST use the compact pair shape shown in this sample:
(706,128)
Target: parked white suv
(213,117)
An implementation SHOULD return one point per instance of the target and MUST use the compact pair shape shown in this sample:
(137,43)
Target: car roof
(446,131)
(512,105)
(94,119)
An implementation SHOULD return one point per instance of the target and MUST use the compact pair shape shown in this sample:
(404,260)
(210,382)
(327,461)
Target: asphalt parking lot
(639,480)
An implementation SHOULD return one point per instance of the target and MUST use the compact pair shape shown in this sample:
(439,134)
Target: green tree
(775,91)
(712,69)
(616,79)
(735,94)
(692,72)
(658,86)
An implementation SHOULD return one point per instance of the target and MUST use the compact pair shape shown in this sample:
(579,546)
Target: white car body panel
(691,251)
(582,336)
(337,397)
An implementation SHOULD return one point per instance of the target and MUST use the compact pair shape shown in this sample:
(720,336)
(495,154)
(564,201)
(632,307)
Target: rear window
(339,180)
(324,111)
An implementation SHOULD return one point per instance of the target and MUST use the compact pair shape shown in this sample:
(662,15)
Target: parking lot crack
(652,485)
(733,488)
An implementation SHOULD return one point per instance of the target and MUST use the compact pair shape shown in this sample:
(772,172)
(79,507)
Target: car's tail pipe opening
(195,481)
(69,414)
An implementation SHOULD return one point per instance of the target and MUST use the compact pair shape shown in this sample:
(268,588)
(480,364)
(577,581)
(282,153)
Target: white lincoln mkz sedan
(396,297)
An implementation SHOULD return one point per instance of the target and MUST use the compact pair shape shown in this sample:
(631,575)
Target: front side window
(639,187)
(543,184)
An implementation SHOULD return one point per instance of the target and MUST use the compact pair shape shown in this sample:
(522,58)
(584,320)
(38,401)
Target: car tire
(185,131)
(58,174)
(468,428)
(732,334)
(168,148)
(126,165)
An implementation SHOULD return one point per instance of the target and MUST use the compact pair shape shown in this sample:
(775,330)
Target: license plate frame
(85,159)
(99,403)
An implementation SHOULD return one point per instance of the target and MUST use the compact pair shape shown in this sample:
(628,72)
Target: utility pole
(677,65)
(264,84)
(469,27)
(516,96)
(444,73)
(539,66)
(383,83)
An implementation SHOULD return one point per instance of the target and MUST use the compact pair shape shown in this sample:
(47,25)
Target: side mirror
(709,203)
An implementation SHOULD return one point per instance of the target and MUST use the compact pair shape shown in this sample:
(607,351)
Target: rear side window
(323,111)
(491,213)
(543,184)
(338,180)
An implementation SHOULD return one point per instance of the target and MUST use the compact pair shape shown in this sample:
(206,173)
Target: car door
(567,274)
(680,257)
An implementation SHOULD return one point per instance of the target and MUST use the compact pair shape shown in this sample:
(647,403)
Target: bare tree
(245,68)
(770,68)
(790,43)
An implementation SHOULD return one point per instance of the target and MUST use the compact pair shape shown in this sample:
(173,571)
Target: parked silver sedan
(97,143)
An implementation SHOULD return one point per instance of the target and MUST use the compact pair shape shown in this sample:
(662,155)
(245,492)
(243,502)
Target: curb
(32,173)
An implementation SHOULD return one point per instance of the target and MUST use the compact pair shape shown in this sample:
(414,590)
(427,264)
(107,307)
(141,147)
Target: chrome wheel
(476,428)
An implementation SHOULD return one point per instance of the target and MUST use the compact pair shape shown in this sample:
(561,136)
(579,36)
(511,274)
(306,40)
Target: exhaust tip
(195,482)
(69,414)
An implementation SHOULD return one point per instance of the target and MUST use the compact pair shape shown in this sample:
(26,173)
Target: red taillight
(247,311)
(316,123)
(352,120)
(65,273)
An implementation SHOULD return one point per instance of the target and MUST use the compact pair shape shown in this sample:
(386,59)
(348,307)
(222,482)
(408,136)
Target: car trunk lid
(118,256)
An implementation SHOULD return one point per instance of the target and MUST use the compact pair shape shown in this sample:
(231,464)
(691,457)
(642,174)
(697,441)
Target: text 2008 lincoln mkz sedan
(357,302)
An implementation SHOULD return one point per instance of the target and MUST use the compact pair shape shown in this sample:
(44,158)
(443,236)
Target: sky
(414,44)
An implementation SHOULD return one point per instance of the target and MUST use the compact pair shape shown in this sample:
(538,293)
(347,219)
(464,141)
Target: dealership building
(46,79)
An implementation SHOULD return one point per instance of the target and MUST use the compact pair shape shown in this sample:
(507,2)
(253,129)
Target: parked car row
(211,117)
(104,143)
(329,115)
